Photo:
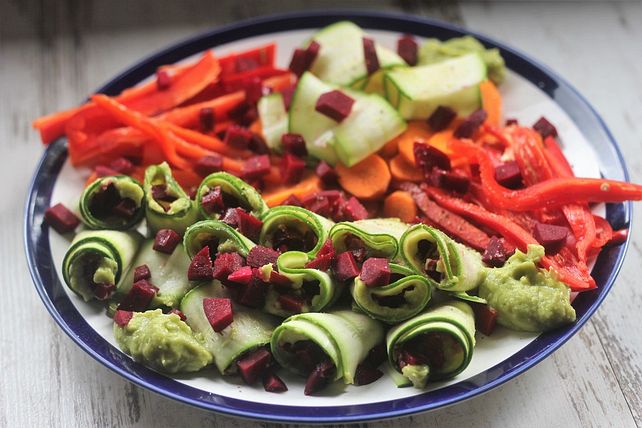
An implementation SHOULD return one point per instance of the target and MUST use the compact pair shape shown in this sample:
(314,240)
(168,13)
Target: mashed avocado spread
(434,50)
(526,297)
(162,342)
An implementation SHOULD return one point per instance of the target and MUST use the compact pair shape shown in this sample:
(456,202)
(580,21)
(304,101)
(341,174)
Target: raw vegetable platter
(529,92)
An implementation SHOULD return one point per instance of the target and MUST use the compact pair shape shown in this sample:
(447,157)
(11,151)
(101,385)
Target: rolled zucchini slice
(114,202)
(345,338)
(173,209)
(169,275)
(249,330)
(289,228)
(315,289)
(236,193)
(439,342)
(406,296)
(453,267)
(380,236)
(98,257)
(217,235)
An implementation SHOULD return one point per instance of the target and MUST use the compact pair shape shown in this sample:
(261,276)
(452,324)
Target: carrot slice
(491,102)
(402,170)
(369,179)
(401,205)
(390,149)
(275,194)
(416,131)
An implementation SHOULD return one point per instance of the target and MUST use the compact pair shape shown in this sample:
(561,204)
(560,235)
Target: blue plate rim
(37,244)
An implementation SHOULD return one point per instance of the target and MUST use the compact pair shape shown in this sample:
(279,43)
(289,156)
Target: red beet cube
(166,241)
(510,122)
(208,164)
(180,314)
(258,145)
(279,280)
(293,200)
(254,89)
(545,128)
(334,104)
(294,143)
(125,208)
(242,276)
(375,272)
(449,180)
(104,290)
(321,262)
(345,267)
(163,80)
(485,318)
(253,294)
(319,378)
(254,364)
(218,312)
(122,318)
(365,375)
(122,166)
(139,297)
(318,204)
(212,201)
(273,383)
(495,254)
(550,236)
(238,137)
(298,62)
(225,264)
(370,55)
(326,173)
(260,256)
(471,124)
(206,119)
(200,268)
(311,53)
(407,49)
(287,96)
(509,175)
(353,210)
(427,157)
(376,356)
(441,118)
(61,218)
(291,303)
(142,272)
(292,168)
(256,167)
(248,225)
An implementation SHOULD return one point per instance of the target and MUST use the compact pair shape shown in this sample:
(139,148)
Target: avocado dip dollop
(162,342)
(527,298)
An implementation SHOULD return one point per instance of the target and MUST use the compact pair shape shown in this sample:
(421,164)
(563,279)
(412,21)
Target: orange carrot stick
(491,102)
(189,116)
(400,204)
(207,142)
(369,179)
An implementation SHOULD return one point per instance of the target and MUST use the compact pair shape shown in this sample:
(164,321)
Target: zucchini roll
(437,344)
(115,202)
(288,228)
(405,296)
(453,267)
(96,261)
(374,237)
(220,191)
(217,235)
(306,290)
(168,274)
(341,339)
(249,330)
(168,206)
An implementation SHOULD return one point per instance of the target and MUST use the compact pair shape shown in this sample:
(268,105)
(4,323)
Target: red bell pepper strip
(529,154)
(556,158)
(603,232)
(238,62)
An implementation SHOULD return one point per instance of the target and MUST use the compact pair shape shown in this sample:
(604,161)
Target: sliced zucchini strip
(126,187)
(380,236)
(206,232)
(241,193)
(178,212)
(105,253)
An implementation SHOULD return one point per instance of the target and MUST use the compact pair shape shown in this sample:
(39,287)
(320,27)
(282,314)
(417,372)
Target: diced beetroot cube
(407,49)
(254,364)
(345,267)
(104,290)
(298,63)
(254,89)
(258,144)
(142,272)
(122,166)
(231,217)
(291,303)
(61,218)
(318,204)
(260,256)
(244,114)
(248,225)
(441,118)
(125,208)
(253,294)
(227,263)
(104,171)
(218,312)
(370,55)
(407,357)
(206,119)
(122,318)
(256,167)
(550,236)
(242,276)
(294,143)
(287,96)
(509,175)
(326,173)
(427,157)
(159,193)
(163,80)
(485,318)
(208,164)
(334,104)
(292,168)
(327,248)
(180,314)
(212,201)
(495,254)
(166,241)
(376,356)
(510,122)
(449,180)
(238,137)
(279,279)
(375,272)
(471,124)
(311,53)
(353,210)
(200,268)
(273,383)
(319,377)
(139,297)
(321,262)
(366,375)
(545,128)
(293,200)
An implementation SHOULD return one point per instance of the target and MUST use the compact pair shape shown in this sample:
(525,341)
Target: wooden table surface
(54,53)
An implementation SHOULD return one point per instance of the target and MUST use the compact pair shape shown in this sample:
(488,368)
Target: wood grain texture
(53,53)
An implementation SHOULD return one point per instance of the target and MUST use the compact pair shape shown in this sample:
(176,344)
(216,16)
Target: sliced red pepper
(556,158)
(529,154)
(261,56)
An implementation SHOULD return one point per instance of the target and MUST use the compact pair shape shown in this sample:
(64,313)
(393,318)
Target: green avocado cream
(162,342)
(106,272)
(526,297)
(434,50)
(417,374)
